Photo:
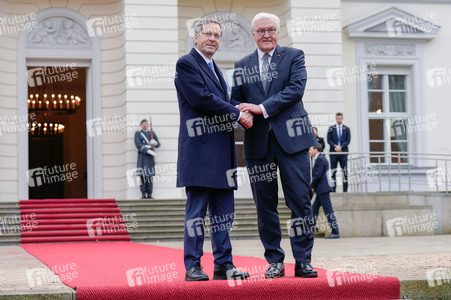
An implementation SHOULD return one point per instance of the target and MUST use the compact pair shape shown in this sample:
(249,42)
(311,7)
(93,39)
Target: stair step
(50,201)
(74,239)
(68,205)
(38,212)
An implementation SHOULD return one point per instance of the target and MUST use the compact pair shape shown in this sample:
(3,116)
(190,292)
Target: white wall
(153,46)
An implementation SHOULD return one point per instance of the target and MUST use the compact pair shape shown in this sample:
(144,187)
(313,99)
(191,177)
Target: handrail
(395,171)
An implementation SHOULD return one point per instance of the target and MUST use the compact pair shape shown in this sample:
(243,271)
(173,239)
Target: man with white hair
(281,135)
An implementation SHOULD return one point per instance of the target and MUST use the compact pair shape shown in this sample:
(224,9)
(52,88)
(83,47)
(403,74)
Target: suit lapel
(275,61)
(221,81)
(253,61)
(206,68)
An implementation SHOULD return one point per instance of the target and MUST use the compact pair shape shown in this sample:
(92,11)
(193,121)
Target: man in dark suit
(322,189)
(146,141)
(338,138)
(206,153)
(271,82)
(319,140)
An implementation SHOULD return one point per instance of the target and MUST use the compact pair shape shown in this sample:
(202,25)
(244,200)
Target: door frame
(90,59)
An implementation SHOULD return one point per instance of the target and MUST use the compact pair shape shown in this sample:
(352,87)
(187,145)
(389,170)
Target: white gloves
(153,142)
(147,146)
(150,152)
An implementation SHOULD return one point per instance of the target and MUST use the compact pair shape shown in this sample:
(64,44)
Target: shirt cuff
(265,114)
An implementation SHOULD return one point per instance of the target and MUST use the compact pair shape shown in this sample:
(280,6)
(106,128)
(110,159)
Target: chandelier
(36,128)
(60,103)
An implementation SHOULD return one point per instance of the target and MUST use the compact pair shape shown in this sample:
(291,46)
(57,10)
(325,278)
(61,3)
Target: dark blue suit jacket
(332,137)
(204,154)
(282,101)
(319,176)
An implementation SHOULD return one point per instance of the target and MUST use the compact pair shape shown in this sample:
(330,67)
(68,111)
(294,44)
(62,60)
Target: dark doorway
(57,132)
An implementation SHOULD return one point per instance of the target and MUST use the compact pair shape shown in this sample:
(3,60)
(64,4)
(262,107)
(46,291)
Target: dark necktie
(265,71)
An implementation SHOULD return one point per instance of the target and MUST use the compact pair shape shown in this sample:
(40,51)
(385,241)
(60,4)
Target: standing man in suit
(206,153)
(322,189)
(338,138)
(146,141)
(271,82)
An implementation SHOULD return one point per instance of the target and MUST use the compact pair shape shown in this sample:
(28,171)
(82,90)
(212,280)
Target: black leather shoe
(304,270)
(228,271)
(275,270)
(195,274)
(332,236)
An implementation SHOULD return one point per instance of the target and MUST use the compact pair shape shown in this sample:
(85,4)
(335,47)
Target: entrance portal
(57,149)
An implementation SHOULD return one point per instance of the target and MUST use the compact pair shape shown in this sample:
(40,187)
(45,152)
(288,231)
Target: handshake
(247,109)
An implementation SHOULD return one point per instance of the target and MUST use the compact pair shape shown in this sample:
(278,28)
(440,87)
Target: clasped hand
(247,109)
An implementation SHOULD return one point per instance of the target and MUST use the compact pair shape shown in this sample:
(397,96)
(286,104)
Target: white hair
(263,15)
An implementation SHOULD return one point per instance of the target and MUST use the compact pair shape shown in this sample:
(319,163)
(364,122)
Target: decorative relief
(59,32)
(390,49)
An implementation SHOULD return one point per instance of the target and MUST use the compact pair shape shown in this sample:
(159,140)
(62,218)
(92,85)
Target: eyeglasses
(209,35)
(271,31)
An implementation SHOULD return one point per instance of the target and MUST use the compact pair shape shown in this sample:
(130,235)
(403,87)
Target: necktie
(210,64)
(265,70)
(339,135)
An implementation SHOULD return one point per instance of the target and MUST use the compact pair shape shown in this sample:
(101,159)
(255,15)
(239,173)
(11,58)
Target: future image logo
(135,277)
(438,76)
(111,24)
(411,225)
(438,276)
(195,227)
(195,127)
(299,126)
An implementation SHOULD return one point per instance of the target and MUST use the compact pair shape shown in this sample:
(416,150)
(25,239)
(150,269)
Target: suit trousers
(146,185)
(220,203)
(343,160)
(295,177)
(324,201)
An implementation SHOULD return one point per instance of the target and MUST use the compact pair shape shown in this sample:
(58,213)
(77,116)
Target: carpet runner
(127,270)
(71,220)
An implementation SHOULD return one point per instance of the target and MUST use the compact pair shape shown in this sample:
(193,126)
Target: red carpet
(126,270)
(71,220)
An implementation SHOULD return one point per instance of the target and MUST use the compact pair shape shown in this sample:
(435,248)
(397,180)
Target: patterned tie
(265,70)
(210,64)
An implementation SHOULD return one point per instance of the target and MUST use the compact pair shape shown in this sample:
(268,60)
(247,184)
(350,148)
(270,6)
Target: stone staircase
(153,220)
(9,223)
(358,215)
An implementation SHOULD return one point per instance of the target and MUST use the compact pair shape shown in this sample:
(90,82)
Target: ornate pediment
(236,39)
(394,23)
(59,32)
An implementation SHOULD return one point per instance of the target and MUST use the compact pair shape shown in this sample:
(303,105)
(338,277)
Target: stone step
(177,207)
(9,240)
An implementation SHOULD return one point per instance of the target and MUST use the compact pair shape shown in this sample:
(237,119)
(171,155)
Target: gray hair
(263,15)
(201,22)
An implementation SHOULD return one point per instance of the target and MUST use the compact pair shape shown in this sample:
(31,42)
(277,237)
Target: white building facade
(377,62)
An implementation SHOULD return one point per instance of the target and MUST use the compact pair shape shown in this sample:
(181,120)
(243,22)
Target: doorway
(57,147)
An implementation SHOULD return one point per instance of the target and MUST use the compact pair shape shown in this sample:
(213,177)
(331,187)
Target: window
(388,111)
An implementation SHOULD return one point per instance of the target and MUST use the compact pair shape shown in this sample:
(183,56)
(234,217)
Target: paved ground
(16,264)
(400,256)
